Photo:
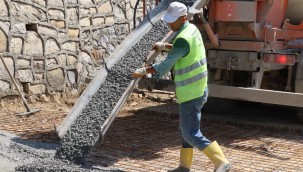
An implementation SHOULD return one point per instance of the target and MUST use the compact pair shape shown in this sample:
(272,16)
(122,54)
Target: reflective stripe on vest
(192,79)
(190,68)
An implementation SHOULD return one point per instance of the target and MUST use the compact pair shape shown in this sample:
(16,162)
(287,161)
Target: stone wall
(52,46)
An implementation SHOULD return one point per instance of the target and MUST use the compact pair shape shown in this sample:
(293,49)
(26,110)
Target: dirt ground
(41,125)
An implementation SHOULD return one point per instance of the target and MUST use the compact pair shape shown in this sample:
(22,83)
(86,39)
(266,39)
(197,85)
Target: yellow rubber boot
(186,159)
(215,154)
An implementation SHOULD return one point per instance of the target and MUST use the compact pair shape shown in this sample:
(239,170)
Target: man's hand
(159,46)
(139,73)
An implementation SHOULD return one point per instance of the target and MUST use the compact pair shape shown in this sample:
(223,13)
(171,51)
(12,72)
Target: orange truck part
(256,20)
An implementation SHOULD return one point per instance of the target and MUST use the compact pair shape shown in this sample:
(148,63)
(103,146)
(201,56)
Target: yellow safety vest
(190,72)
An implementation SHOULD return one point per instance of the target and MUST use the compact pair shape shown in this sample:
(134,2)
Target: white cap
(174,11)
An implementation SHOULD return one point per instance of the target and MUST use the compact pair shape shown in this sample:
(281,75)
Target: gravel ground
(85,132)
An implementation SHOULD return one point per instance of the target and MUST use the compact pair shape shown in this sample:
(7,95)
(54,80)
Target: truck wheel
(218,105)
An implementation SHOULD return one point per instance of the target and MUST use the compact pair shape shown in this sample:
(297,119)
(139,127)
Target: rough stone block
(85,34)
(99,1)
(57,3)
(86,2)
(51,62)
(105,8)
(71,60)
(71,76)
(85,21)
(55,77)
(26,13)
(58,23)
(39,77)
(37,89)
(4,86)
(21,63)
(129,14)
(71,1)
(127,7)
(119,13)
(25,75)
(33,44)
(16,45)
(10,65)
(3,41)
(103,40)
(72,16)
(61,59)
(110,20)
(70,46)
(3,9)
(45,30)
(121,29)
(38,65)
(5,26)
(51,46)
(18,28)
(56,14)
(40,2)
(98,21)
(79,67)
(84,11)
(62,37)
(92,10)
(84,57)
(73,33)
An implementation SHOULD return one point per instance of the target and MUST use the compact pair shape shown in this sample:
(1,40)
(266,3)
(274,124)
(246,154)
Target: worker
(187,58)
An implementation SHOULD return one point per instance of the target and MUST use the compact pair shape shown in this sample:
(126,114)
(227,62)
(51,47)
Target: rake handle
(12,78)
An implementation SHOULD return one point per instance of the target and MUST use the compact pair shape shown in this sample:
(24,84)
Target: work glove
(138,73)
(159,46)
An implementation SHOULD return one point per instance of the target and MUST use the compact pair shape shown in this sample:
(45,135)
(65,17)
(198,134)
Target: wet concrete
(25,155)
(85,132)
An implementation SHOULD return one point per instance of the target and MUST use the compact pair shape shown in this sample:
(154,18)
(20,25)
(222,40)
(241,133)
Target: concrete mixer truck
(254,50)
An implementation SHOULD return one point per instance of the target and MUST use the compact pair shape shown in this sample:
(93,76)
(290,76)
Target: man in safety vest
(187,58)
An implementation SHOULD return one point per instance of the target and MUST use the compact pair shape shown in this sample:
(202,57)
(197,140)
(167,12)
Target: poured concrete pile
(85,132)
(15,151)
(31,156)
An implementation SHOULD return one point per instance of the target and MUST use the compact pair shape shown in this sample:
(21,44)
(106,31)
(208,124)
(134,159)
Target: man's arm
(179,50)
